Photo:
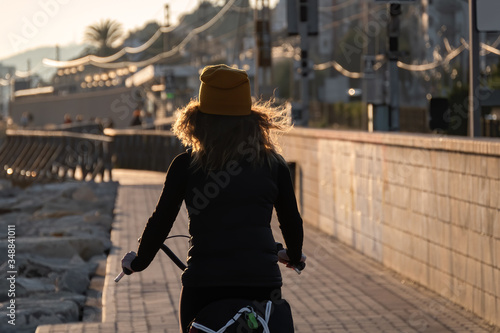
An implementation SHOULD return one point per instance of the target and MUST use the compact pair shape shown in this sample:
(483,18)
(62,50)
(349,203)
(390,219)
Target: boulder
(21,220)
(37,266)
(95,217)
(31,312)
(7,203)
(28,204)
(5,185)
(63,230)
(59,296)
(60,207)
(61,247)
(70,225)
(75,280)
(64,189)
(84,193)
(31,286)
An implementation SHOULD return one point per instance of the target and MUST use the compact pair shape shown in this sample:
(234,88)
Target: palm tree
(104,36)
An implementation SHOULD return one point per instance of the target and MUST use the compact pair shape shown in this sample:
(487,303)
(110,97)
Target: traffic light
(395,12)
(438,107)
(302,11)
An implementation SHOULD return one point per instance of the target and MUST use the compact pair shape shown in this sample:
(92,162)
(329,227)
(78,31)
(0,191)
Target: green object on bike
(252,321)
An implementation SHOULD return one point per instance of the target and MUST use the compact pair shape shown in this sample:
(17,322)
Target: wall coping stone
(466,145)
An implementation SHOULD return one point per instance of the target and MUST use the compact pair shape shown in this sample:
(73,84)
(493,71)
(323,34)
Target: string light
(105,62)
(336,7)
(409,67)
(339,68)
(490,49)
(96,59)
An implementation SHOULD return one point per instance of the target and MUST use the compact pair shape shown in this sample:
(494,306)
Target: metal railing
(143,149)
(28,156)
(491,127)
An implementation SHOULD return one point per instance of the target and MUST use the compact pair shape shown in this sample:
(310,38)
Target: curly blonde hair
(217,139)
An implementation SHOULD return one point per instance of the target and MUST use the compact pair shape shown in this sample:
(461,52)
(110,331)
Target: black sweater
(229,222)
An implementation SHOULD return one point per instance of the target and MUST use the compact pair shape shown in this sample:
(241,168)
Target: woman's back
(230,212)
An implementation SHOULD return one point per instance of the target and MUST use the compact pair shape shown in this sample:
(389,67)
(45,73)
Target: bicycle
(244,315)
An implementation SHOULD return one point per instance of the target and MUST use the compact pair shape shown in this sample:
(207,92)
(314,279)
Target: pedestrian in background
(67,119)
(149,121)
(26,119)
(136,117)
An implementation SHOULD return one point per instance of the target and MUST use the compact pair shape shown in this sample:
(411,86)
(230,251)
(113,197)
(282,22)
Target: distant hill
(35,56)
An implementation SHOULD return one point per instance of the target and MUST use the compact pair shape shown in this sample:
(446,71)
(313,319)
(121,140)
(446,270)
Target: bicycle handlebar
(173,257)
(167,251)
(119,276)
(297,267)
(124,272)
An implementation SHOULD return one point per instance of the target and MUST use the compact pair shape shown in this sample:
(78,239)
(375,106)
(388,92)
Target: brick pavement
(340,290)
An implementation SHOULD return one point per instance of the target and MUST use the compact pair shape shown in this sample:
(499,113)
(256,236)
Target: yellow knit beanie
(225,91)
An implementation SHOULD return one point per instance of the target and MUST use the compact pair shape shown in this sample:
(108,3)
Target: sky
(27,24)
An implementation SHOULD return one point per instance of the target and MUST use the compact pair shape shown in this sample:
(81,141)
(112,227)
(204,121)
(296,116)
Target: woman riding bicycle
(230,179)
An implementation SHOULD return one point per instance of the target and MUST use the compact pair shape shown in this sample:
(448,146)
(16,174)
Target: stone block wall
(426,206)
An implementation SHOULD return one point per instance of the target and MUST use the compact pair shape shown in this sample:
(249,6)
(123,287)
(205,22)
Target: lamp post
(474,102)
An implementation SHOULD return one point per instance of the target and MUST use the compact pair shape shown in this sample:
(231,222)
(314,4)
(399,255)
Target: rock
(21,220)
(5,185)
(34,197)
(8,193)
(32,312)
(28,204)
(97,218)
(39,275)
(71,225)
(63,230)
(100,263)
(75,280)
(79,299)
(61,199)
(84,193)
(60,207)
(64,189)
(38,266)
(30,286)
(7,203)
(61,247)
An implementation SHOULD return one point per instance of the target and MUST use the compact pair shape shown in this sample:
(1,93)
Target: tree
(104,36)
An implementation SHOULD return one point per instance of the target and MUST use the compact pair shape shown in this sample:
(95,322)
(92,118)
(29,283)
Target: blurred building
(349,32)
(80,79)
(351,29)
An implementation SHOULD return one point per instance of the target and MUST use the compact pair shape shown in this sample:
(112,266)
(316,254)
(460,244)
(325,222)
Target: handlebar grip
(124,272)
(299,267)
(119,276)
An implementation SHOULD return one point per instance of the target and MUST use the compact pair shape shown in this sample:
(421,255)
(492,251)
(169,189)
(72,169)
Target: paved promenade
(339,291)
